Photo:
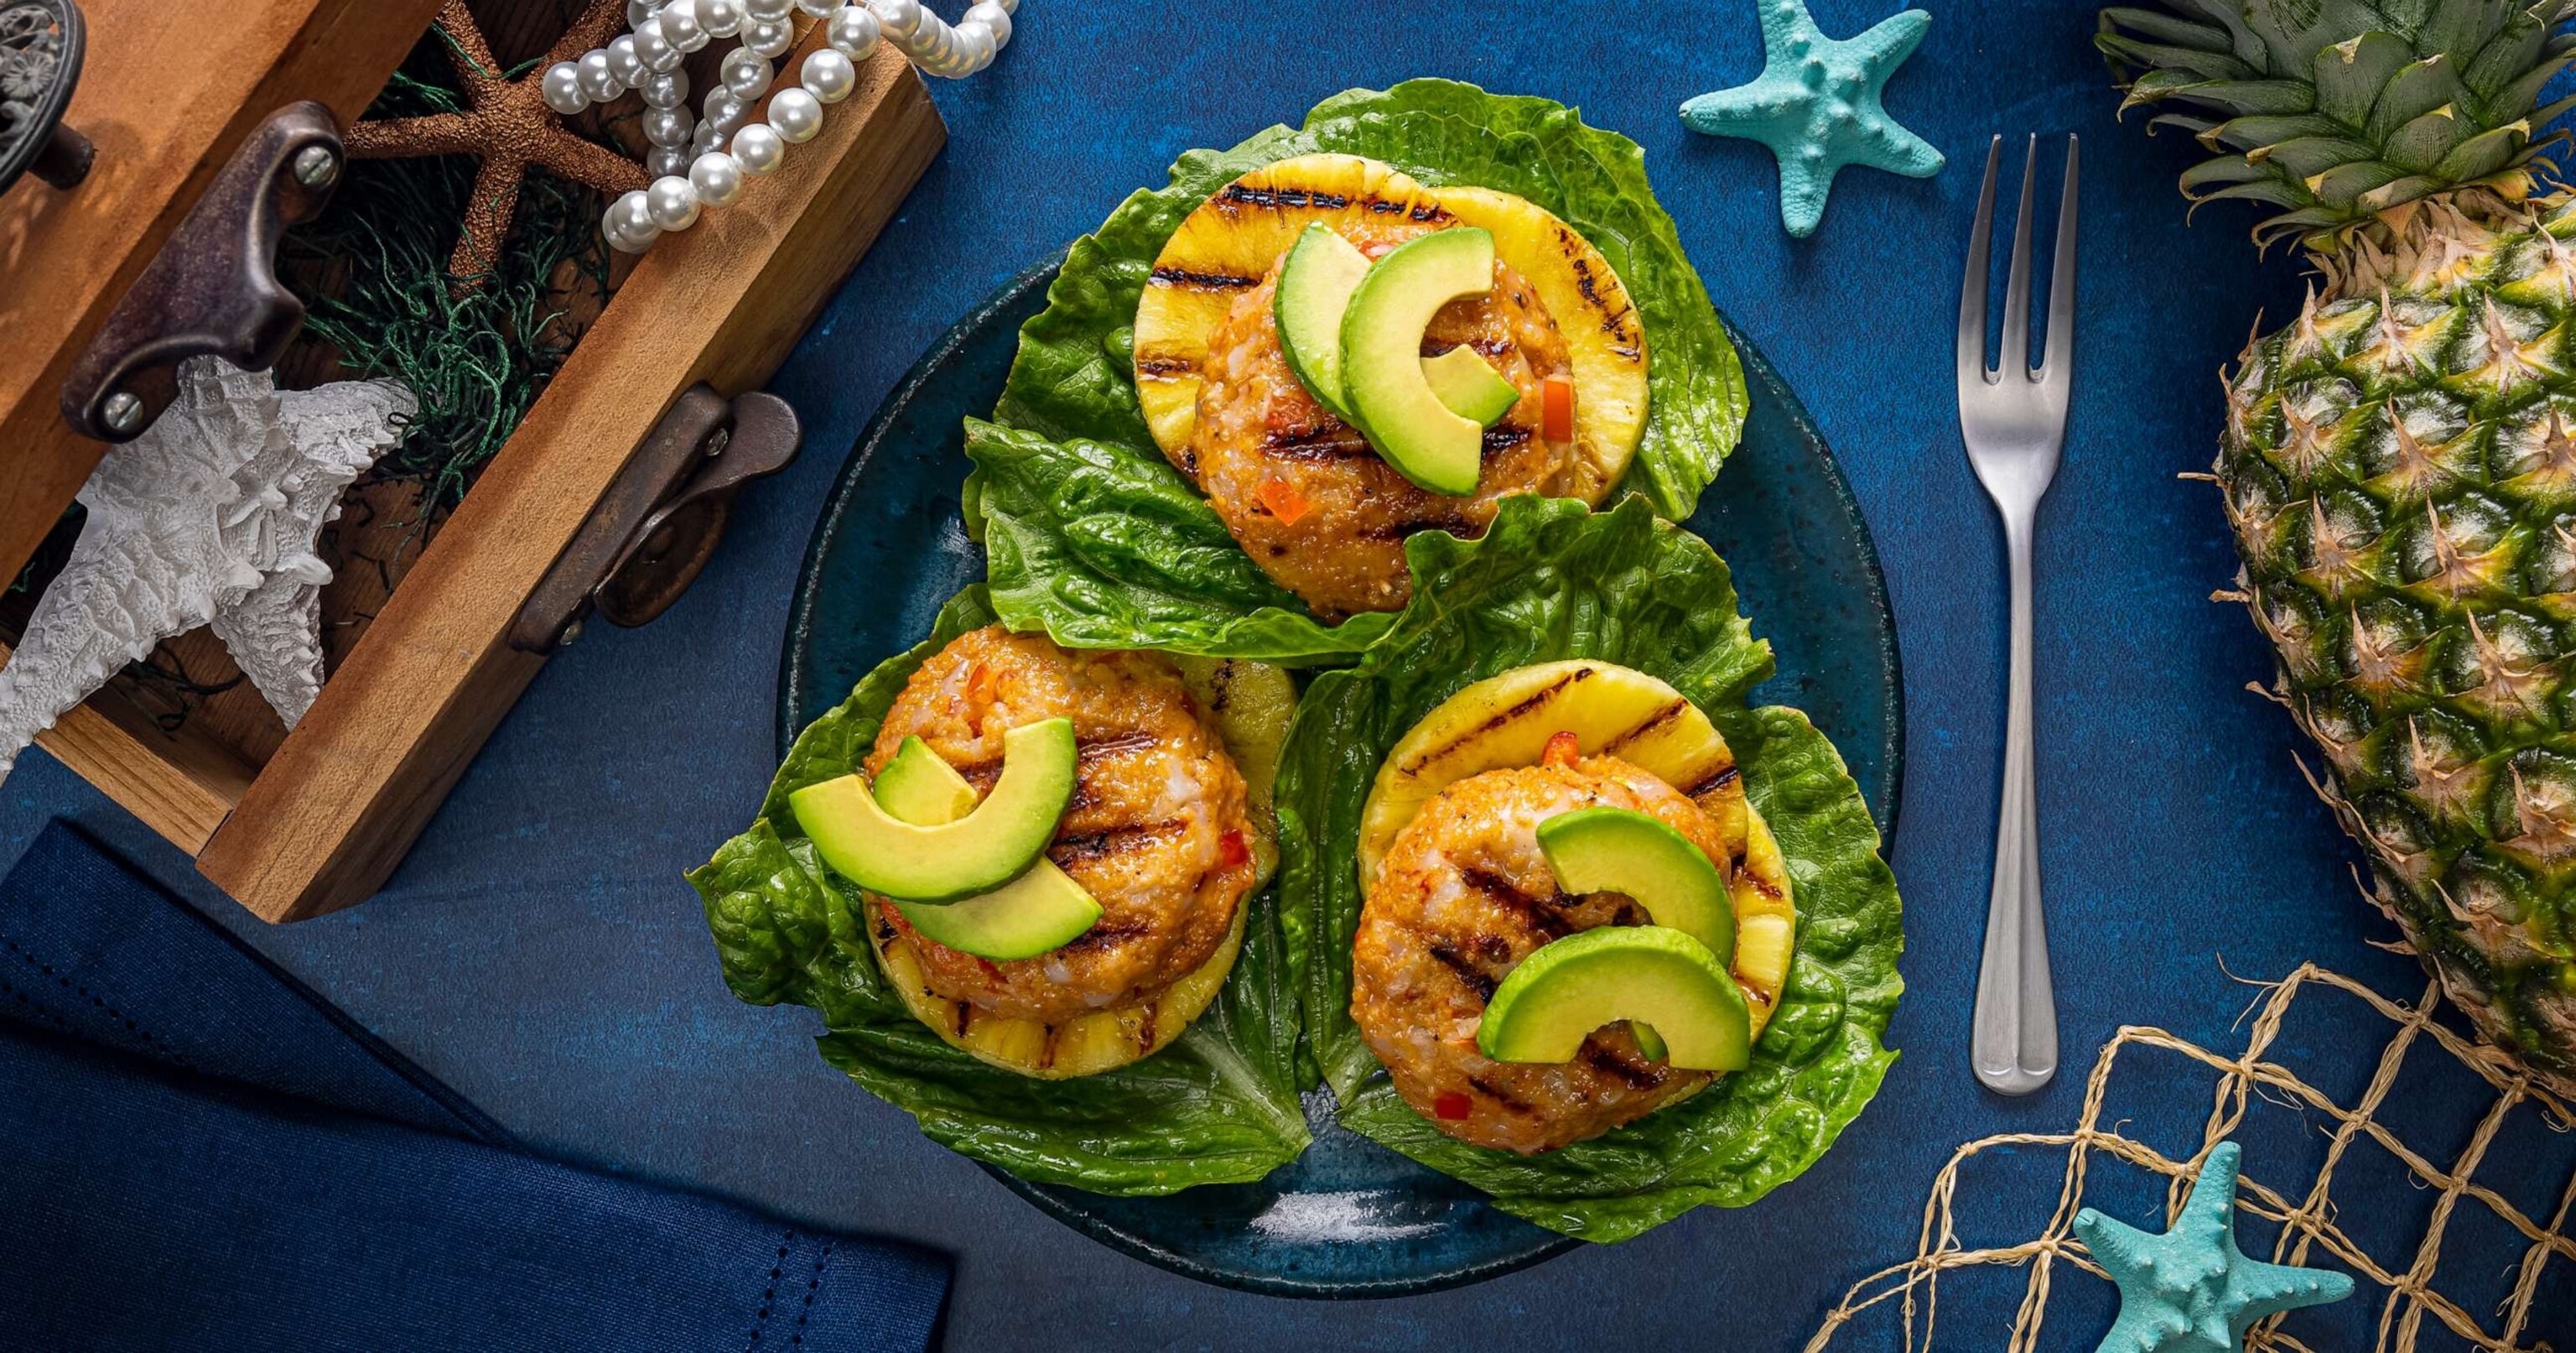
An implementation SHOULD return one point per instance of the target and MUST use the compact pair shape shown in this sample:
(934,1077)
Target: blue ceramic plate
(1349,1218)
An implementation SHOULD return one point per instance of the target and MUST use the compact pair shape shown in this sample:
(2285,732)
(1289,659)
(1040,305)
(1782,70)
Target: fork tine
(1972,288)
(2013,357)
(2057,363)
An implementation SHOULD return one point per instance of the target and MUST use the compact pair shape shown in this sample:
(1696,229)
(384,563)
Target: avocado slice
(919,788)
(1469,386)
(1040,910)
(1621,850)
(1382,379)
(1315,285)
(977,853)
(1316,280)
(1651,974)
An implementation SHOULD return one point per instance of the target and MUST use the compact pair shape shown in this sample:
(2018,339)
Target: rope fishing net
(2476,1190)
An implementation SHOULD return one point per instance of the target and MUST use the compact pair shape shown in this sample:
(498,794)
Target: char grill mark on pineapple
(1527,707)
(1202,281)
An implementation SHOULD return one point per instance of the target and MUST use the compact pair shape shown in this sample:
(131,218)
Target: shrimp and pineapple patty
(1157,830)
(1307,496)
(1462,897)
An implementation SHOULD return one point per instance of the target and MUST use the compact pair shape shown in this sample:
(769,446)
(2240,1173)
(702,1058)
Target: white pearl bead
(747,73)
(637,11)
(721,18)
(667,90)
(995,18)
(661,160)
(795,115)
(769,39)
(717,178)
(629,226)
(768,11)
(758,149)
(707,137)
(669,126)
(625,64)
(852,31)
(728,117)
(828,75)
(672,202)
(654,49)
(901,18)
(597,80)
(562,87)
(976,45)
(820,9)
(680,25)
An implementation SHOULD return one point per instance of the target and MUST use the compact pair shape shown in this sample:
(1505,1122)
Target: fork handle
(2014,1046)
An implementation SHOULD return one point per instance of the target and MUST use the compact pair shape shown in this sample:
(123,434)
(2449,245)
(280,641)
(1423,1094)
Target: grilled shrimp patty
(1156,830)
(1463,896)
(1322,513)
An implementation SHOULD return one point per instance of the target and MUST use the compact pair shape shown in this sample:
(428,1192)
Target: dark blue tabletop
(539,952)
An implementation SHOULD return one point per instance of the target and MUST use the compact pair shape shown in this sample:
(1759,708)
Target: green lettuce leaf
(1107,546)
(1217,1106)
(1073,380)
(1550,581)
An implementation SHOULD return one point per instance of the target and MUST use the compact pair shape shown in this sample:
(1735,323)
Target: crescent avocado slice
(1040,910)
(1382,380)
(1649,974)
(1621,850)
(1316,281)
(1315,284)
(977,853)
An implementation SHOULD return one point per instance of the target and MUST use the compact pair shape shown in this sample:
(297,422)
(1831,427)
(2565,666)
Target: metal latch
(661,520)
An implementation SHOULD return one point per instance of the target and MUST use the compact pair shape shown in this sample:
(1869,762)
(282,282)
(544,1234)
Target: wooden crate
(314,822)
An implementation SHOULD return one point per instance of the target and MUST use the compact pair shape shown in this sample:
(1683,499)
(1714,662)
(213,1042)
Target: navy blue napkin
(197,1152)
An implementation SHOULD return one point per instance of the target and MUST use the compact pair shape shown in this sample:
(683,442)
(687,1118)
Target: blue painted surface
(538,952)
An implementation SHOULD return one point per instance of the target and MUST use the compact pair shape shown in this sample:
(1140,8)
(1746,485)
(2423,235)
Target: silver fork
(2013,419)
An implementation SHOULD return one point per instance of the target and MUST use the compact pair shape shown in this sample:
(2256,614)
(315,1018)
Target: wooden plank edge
(331,816)
(178,786)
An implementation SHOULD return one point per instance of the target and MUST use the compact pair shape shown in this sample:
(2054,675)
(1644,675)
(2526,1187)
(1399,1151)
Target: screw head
(316,166)
(571,632)
(123,412)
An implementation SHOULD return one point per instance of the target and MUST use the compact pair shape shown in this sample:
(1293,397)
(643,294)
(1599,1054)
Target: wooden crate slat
(166,93)
(351,787)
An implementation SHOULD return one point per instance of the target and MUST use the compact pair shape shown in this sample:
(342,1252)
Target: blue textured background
(539,952)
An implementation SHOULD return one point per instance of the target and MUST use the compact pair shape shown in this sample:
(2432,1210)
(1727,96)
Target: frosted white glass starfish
(209,517)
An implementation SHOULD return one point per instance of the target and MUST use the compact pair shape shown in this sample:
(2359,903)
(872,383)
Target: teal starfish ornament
(2191,1290)
(1816,105)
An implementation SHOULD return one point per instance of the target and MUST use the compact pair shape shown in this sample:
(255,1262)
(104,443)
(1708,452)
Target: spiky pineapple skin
(2399,470)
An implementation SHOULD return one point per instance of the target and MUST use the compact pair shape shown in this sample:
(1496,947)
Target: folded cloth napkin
(198,1153)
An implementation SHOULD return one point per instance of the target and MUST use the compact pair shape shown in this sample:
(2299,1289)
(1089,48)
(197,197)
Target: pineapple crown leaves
(2339,110)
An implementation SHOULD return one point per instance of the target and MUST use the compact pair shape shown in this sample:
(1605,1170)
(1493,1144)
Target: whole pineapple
(2399,463)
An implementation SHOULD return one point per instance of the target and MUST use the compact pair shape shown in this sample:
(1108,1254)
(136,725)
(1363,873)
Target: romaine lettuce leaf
(1108,545)
(1073,380)
(1550,581)
(1218,1106)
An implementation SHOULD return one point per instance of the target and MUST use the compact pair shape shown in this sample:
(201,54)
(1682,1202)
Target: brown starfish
(506,124)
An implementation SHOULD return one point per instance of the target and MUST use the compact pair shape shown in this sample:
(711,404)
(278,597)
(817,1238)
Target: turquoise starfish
(1816,106)
(2191,1290)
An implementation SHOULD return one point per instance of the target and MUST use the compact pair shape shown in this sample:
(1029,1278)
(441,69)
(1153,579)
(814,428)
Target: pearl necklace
(700,161)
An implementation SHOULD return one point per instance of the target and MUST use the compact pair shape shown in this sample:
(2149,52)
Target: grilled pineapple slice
(1604,337)
(1506,720)
(1227,246)
(1252,702)
(1231,241)
(1102,1041)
